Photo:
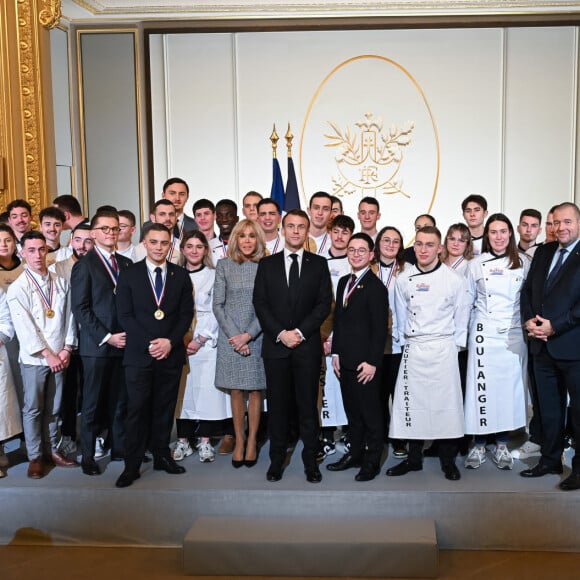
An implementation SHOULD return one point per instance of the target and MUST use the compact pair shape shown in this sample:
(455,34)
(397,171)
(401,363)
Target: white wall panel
(541,118)
(201,146)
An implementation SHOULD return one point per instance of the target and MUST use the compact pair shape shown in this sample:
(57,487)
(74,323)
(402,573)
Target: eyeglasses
(391,241)
(357,251)
(109,229)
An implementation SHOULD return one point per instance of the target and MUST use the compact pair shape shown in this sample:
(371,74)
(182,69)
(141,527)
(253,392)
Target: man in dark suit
(101,340)
(550,305)
(292,298)
(361,322)
(176,191)
(155,306)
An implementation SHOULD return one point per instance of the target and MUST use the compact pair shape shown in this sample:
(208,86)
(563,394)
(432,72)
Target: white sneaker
(3,458)
(528,449)
(206,452)
(67,445)
(475,458)
(502,457)
(181,450)
(99,447)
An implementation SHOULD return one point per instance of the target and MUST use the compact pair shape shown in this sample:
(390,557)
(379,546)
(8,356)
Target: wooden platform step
(365,547)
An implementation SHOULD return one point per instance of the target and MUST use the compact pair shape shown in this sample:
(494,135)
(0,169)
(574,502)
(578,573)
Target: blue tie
(554,273)
(158,283)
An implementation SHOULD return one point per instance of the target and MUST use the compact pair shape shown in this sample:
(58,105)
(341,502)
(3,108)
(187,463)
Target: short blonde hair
(234,251)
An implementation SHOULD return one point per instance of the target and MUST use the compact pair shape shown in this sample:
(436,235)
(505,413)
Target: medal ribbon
(457,263)
(159,300)
(171,250)
(46,300)
(322,245)
(390,276)
(276,246)
(354,286)
(112,274)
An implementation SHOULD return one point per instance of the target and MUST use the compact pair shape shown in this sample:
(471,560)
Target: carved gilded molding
(32,160)
(50,15)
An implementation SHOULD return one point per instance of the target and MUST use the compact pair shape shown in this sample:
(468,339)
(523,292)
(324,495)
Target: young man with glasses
(101,342)
(360,329)
(127,225)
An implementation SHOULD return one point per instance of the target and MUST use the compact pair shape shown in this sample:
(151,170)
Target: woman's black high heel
(239,463)
(252,462)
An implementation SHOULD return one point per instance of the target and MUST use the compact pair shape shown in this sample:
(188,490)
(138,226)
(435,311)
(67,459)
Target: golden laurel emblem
(369,160)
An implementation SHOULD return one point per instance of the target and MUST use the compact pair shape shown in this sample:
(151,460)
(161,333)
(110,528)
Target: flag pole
(277,192)
(289,136)
(292,198)
(274,138)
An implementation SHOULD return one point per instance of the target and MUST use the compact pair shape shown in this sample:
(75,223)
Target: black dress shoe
(127,478)
(540,470)
(274,473)
(90,467)
(345,462)
(451,472)
(403,468)
(313,475)
(168,465)
(367,473)
(571,483)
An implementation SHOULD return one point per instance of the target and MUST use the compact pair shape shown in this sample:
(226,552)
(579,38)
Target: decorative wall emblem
(369,132)
(369,157)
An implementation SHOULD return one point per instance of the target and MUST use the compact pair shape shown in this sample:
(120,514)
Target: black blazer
(94,305)
(561,306)
(361,327)
(275,313)
(136,306)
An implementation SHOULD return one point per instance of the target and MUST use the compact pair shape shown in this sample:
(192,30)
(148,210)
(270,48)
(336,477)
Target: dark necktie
(176,231)
(351,283)
(114,264)
(554,273)
(293,278)
(158,283)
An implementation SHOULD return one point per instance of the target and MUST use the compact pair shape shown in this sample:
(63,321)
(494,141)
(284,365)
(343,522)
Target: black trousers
(104,403)
(447,451)
(293,381)
(362,404)
(390,371)
(554,380)
(151,399)
(73,380)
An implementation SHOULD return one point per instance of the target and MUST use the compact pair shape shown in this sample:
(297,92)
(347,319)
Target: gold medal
(50,313)
(159,314)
